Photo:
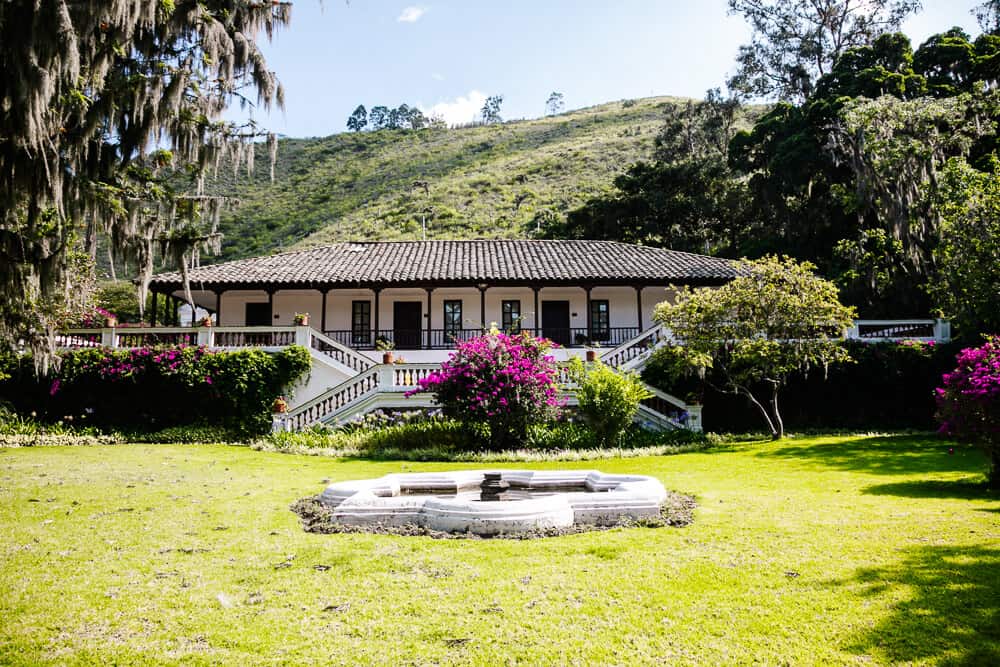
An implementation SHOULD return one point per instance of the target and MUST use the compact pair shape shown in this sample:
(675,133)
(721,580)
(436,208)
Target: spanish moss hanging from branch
(100,100)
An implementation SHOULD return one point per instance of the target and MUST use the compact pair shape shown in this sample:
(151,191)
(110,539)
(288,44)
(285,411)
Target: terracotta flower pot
(302,320)
(591,356)
(387,357)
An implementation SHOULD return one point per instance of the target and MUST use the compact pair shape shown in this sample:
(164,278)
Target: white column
(694,418)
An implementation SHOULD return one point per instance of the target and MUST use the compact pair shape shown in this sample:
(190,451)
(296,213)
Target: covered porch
(435,317)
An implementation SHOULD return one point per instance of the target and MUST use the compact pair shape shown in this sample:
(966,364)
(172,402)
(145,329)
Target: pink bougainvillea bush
(147,389)
(503,383)
(968,403)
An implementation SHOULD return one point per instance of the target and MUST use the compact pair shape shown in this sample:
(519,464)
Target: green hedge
(889,386)
(151,389)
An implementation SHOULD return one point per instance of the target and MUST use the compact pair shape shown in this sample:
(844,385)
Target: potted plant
(280,405)
(591,356)
(301,319)
(205,321)
(386,347)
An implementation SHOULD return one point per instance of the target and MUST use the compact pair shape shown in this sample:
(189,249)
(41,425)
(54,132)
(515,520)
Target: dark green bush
(889,386)
(150,389)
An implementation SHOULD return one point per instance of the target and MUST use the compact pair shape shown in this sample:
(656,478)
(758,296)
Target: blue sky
(447,56)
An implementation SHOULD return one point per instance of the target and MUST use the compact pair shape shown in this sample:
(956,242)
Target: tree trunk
(763,411)
(778,432)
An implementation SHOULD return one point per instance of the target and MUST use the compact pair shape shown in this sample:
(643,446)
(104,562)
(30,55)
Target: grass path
(831,550)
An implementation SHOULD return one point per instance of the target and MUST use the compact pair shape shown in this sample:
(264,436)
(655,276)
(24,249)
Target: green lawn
(821,551)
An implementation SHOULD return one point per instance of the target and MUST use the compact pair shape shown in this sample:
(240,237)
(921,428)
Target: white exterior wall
(577,303)
(652,296)
(621,304)
(496,295)
(469,296)
(621,300)
(289,302)
(234,306)
(389,296)
(338,308)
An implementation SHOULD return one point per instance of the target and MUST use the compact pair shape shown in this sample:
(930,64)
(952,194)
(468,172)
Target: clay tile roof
(463,262)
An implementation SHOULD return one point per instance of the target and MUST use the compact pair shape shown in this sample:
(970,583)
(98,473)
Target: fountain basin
(519,501)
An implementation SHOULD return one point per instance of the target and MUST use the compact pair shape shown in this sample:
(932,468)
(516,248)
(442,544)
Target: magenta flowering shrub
(93,318)
(148,389)
(968,403)
(502,382)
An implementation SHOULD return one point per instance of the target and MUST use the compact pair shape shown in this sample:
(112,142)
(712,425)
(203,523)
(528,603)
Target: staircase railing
(640,346)
(332,400)
(391,379)
(339,352)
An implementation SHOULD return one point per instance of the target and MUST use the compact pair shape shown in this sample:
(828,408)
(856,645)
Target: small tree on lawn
(777,318)
(502,382)
(969,402)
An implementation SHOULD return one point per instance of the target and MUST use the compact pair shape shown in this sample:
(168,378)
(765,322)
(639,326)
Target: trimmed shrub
(608,400)
(969,402)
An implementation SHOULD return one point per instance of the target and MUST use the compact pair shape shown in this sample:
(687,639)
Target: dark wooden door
(555,321)
(258,315)
(407,324)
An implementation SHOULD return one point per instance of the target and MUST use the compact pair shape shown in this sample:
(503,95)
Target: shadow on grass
(969,488)
(905,454)
(951,611)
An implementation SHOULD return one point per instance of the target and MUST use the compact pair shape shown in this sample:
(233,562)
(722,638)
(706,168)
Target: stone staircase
(383,387)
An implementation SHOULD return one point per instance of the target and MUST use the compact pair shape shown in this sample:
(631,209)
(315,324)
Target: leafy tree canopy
(795,42)
(777,318)
(96,99)
(966,287)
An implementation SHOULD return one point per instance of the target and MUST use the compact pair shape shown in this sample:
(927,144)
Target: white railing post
(108,337)
(694,418)
(206,336)
(280,422)
(852,332)
(942,330)
(386,380)
(303,336)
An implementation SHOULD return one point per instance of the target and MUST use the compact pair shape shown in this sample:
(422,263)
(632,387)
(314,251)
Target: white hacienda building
(419,297)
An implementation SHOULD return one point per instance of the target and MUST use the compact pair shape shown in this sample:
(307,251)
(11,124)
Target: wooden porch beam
(537,315)
(218,307)
(430,291)
(482,303)
(152,317)
(638,305)
(322,317)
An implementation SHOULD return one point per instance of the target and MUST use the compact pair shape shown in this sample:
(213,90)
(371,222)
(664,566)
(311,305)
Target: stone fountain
(495,502)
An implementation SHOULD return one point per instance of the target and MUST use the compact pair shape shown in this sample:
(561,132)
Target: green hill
(502,180)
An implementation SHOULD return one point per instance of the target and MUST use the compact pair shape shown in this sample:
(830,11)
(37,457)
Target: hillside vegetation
(506,180)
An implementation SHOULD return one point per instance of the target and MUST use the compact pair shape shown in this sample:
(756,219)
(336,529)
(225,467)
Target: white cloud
(411,14)
(463,109)
(437,76)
